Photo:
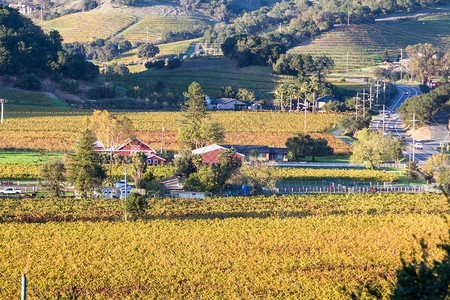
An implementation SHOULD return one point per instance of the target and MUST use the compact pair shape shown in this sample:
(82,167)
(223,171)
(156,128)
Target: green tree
(322,63)
(51,177)
(136,204)
(89,5)
(426,61)
(85,170)
(301,146)
(138,168)
(351,124)
(147,51)
(385,56)
(258,176)
(196,129)
(184,164)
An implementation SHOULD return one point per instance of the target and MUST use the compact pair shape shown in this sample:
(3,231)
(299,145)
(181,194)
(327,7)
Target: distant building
(225,104)
(322,101)
(210,154)
(130,148)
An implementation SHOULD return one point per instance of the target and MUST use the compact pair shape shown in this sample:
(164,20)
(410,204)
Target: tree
(85,170)
(197,130)
(351,124)
(258,176)
(111,131)
(245,95)
(136,204)
(385,56)
(426,61)
(323,63)
(51,177)
(301,146)
(89,5)
(147,51)
(184,164)
(372,148)
(138,168)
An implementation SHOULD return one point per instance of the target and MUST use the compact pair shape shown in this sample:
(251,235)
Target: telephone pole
(377,86)
(383,118)
(370,99)
(357,104)
(364,102)
(401,67)
(346,70)
(414,137)
(348,19)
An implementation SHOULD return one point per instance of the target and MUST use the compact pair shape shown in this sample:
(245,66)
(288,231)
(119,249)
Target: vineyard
(212,73)
(155,26)
(315,247)
(58,129)
(305,174)
(366,42)
(131,58)
(20,97)
(89,26)
(15,171)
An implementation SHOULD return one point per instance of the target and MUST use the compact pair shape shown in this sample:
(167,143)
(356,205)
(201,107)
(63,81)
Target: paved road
(393,125)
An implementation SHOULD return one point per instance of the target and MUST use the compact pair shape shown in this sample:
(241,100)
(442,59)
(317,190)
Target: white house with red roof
(130,147)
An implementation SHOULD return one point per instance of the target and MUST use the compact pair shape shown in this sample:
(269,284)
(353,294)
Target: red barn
(130,148)
(210,154)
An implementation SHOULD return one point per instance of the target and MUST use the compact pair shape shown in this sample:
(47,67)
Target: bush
(89,5)
(159,64)
(28,82)
(149,64)
(69,85)
(103,92)
(136,205)
(174,63)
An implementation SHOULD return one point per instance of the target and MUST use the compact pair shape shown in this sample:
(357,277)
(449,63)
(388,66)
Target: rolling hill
(365,43)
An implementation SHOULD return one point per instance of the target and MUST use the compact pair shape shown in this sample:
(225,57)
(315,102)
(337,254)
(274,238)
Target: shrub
(174,63)
(159,64)
(69,85)
(149,64)
(28,82)
(136,205)
(103,92)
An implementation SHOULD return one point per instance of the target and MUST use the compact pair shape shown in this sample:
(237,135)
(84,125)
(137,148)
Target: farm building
(225,104)
(130,148)
(322,101)
(210,154)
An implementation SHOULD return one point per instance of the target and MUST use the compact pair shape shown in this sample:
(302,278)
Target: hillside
(365,43)
(89,26)
(211,73)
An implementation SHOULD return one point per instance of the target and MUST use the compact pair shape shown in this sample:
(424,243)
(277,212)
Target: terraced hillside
(86,27)
(155,26)
(365,43)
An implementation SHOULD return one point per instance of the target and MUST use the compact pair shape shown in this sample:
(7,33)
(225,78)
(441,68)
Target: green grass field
(365,42)
(89,26)
(21,97)
(212,73)
(27,157)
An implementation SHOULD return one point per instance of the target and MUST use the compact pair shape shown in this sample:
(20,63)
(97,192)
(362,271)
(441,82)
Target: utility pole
(2,101)
(304,108)
(414,137)
(383,118)
(281,104)
(364,101)
(401,67)
(346,70)
(384,92)
(370,99)
(357,104)
(162,138)
(377,86)
(348,19)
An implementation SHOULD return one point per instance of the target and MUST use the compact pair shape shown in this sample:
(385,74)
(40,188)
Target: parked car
(418,145)
(10,191)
